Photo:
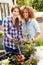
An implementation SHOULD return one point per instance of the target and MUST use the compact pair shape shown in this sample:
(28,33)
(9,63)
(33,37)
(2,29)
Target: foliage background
(36,4)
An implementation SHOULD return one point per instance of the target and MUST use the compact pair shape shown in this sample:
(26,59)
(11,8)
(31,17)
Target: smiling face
(15,12)
(25,14)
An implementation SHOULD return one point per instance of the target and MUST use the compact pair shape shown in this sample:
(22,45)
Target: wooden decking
(2,51)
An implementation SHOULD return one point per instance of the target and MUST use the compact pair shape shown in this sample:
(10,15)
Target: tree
(36,4)
(24,2)
(20,2)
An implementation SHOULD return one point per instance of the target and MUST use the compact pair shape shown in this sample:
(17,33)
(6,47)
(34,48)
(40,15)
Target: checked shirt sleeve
(5,27)
(21,30)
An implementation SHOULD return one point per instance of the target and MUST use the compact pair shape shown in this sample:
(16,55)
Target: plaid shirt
(9,29)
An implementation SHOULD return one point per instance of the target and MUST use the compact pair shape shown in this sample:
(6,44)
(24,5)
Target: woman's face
(15,12)
(25,14)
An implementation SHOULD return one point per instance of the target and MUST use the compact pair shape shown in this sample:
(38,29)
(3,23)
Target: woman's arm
(37,35)
(5,29)
(37,29)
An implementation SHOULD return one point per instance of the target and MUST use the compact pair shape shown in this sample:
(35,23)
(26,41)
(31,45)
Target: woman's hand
(15,41)
(36,36)
(10,37)
(21,39)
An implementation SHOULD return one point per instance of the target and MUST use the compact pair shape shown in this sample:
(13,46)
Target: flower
(20,58)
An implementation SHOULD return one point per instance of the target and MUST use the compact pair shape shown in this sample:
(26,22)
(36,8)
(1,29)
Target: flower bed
(26,58)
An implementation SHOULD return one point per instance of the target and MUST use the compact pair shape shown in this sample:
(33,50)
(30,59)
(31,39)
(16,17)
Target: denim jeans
(16,51)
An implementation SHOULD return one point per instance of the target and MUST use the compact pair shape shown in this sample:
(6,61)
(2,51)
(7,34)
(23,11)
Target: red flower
(20,58)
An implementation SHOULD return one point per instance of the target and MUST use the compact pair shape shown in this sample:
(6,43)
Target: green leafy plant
(34,61)
(27,49)
(39,42)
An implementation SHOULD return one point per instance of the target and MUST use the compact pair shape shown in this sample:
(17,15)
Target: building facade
(5,6)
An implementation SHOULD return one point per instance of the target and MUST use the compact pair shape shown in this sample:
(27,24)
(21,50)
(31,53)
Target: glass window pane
(2,10)
(6,9)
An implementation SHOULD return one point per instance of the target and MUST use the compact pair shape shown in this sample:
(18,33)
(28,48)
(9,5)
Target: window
(4,10)
(7,9)
(0,14)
